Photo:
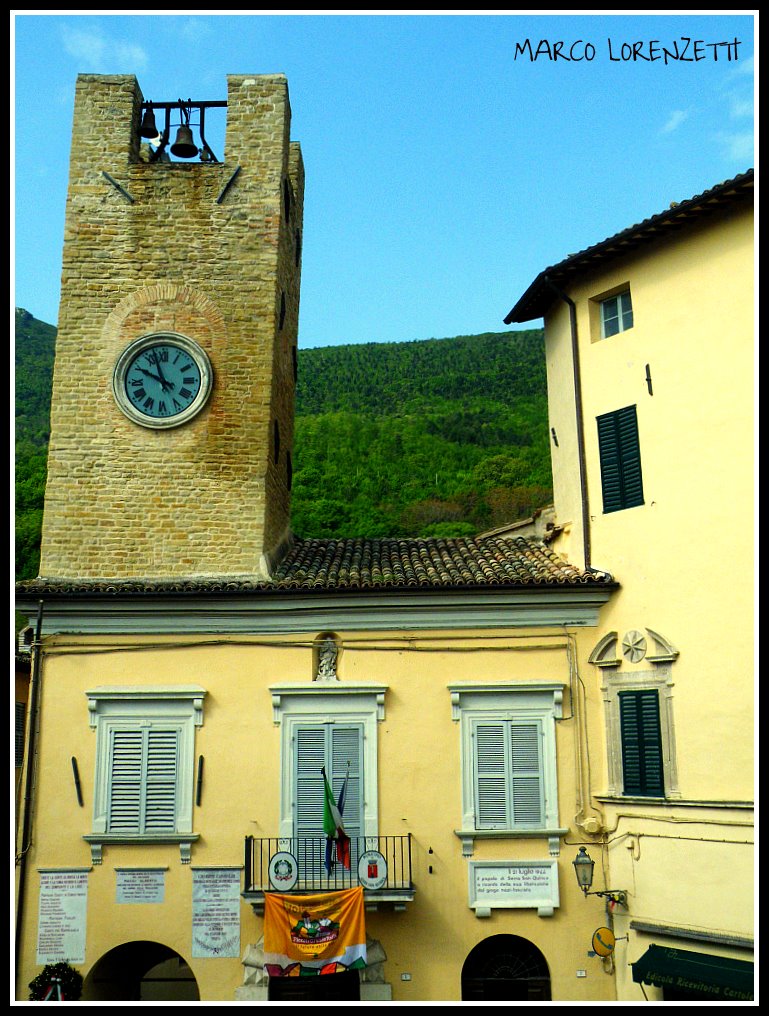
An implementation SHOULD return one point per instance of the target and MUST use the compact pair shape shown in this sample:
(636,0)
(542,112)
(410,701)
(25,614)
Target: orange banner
(314,933)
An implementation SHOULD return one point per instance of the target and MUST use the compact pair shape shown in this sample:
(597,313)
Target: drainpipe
(580,425)
(26,828)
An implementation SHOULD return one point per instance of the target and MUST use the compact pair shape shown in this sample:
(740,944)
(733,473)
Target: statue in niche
(327,654)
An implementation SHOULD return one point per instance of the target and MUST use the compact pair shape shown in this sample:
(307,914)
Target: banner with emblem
(314,933)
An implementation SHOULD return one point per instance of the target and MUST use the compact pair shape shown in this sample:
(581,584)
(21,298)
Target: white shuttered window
(144,770)
(508,774)
(144,767)
(339,749)
(328,724)
(508,756)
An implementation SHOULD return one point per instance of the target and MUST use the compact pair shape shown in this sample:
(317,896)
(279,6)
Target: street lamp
(583,869)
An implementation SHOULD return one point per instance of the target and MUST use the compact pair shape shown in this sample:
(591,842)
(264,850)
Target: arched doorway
(141,972)
(505,968)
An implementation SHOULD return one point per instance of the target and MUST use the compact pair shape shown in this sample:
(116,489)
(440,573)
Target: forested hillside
(435,437)
(432,437)
(33,372)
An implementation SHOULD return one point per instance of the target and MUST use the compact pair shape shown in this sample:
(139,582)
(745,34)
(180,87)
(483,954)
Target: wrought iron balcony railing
(272,864)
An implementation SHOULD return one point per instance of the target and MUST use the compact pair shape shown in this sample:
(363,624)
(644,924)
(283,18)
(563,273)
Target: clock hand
(167,385)
(162,375)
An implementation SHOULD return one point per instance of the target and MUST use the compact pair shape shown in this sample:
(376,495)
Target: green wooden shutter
(143,775)
(641,736)
(21,710)
(620,458)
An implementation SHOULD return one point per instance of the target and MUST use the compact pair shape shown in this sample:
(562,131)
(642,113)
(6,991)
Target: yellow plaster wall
(684,559)
(418,786)
(684,563)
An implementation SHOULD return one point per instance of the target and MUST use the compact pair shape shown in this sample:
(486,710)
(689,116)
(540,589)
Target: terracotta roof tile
(369,564)
(436,562)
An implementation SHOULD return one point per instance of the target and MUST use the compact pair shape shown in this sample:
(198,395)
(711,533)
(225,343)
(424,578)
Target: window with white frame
(333,747)
(331,726)
(508,757)
(145,745)
(616,314)
(509,785)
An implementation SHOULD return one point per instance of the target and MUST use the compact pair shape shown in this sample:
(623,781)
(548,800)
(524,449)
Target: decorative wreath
(56,975)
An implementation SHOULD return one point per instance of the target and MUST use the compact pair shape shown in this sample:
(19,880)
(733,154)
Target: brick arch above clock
(165,306)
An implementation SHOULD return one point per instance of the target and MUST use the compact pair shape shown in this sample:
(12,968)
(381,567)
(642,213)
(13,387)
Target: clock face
(162,380)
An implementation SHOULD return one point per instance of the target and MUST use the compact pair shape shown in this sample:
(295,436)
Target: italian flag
(333,825)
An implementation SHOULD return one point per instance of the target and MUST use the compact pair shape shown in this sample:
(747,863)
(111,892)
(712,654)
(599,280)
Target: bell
(183,147)
(148,128)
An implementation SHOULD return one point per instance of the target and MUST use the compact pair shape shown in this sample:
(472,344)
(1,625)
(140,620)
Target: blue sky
(443,173)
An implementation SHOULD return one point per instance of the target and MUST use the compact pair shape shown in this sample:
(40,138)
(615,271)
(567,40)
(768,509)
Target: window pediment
(327,697)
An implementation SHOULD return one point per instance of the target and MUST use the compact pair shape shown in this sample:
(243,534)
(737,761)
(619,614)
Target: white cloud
(135,57)
(98,53)
(675,120)
(744,67)
(740,107)
(193,30)
(738,146)
(86,47)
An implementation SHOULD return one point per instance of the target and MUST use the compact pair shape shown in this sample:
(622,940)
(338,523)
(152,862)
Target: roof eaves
(539,296)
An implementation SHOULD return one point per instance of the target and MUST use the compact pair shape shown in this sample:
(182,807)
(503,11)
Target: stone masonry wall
(168,247)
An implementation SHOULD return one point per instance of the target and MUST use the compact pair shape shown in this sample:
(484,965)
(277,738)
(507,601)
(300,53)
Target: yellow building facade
(196,671)
(649,340)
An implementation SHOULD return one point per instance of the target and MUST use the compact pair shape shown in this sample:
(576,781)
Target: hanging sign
(314,933)
(372,870)
(283,871)
(603,942)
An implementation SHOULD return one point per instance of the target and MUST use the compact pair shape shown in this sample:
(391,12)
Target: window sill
(98,841)
(674,801)
(468,837)
(636,799)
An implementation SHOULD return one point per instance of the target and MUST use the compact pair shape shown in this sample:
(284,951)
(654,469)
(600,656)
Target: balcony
(381,864)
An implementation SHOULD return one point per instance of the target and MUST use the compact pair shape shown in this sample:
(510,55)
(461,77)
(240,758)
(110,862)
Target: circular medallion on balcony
(283,871)
(372,870)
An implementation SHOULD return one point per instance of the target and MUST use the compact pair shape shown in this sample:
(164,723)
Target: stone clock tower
(173,396)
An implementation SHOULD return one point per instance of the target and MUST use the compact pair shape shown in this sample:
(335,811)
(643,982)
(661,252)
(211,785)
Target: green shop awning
(719,978)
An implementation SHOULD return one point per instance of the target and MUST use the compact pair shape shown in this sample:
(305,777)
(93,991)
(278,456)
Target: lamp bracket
(618,896)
